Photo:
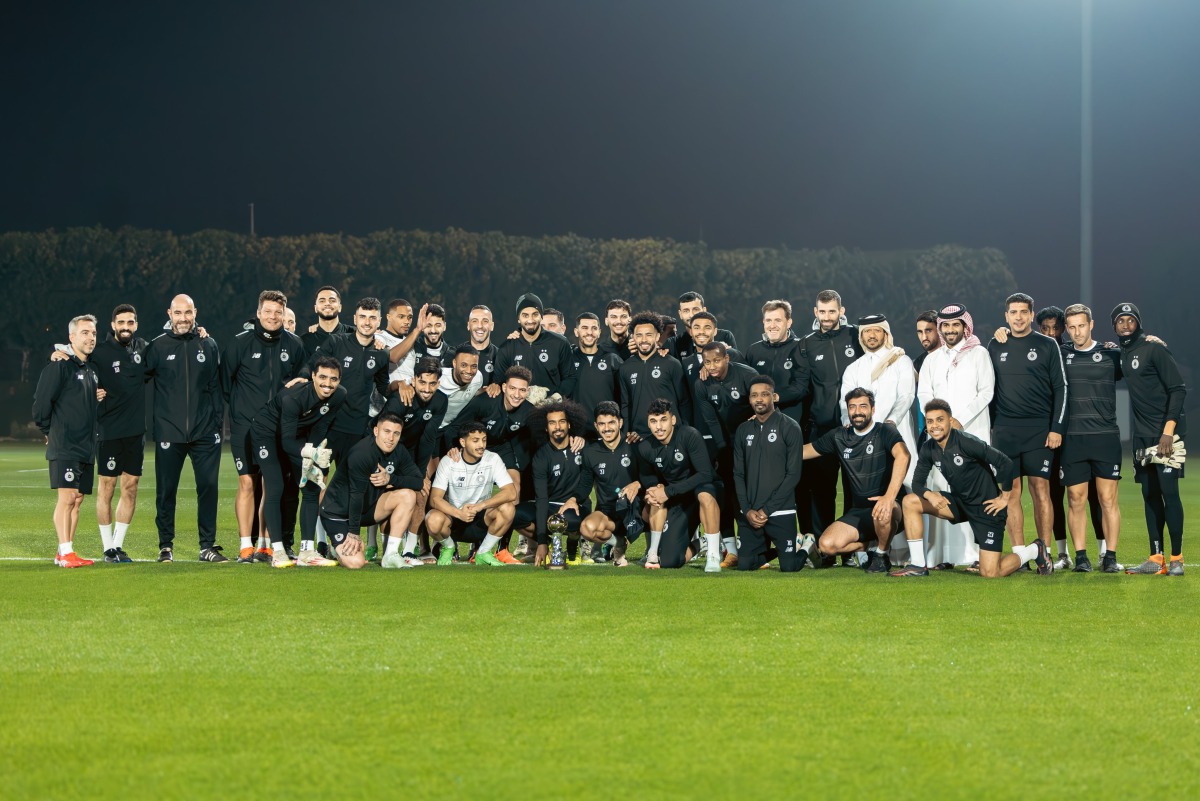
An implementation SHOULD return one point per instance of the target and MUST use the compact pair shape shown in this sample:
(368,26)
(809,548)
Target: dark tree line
(53,275)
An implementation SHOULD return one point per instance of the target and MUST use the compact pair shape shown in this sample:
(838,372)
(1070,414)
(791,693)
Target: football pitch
(191,680)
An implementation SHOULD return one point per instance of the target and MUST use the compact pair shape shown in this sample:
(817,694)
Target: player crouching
(380,477)
(461,503)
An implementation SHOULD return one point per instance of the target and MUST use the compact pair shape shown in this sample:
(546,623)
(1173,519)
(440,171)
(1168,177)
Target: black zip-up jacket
(65,410)
(1156,388)
(351,495)
(783,362)
(971,467)
(556,477)
(643,381)
(1031,383)
(507,434)
(254,367)
(315,339)
(188,403)
(618,349)
(767,461)
(121,371)
(296,417)
(422,424)
(548,357)
(724,405)
(609,471)
(597,379)
(682,345)
(421,348)
(828,354)
(487,361)
(680,465)
(364,370)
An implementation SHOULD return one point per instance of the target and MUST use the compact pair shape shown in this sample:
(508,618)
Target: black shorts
(336,530)
(72,475)
(527,514)
(124,455)
(1140,471)
(509,456)
(474,531)
(988,529)
(243,450)
(1026,447)
(1085,457)
(861,521)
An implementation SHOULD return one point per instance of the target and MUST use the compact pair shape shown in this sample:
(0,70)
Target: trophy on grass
(556,524)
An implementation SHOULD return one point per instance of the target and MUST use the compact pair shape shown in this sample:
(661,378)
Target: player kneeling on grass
(377,484)
(768,452)
(461,503)
(686,491)
(557,477)
(875,460)
(980,479)
(610,465)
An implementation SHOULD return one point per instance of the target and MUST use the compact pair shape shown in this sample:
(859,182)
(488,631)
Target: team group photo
(676,399)
(382,443)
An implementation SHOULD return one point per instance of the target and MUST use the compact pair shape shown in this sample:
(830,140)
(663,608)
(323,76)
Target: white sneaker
(1063,562)
(412,561)
(314,559)
(280,559)
(713,564)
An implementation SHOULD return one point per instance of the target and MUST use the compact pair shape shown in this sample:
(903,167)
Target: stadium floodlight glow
(1085,155)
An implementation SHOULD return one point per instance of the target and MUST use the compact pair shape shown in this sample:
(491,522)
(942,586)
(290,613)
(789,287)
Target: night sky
(865,123)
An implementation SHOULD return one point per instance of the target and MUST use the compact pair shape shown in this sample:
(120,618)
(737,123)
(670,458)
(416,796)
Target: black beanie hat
(1122,309)
(529,300)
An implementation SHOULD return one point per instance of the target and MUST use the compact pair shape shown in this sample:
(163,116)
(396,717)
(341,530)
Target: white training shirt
(466,483)
(458,397)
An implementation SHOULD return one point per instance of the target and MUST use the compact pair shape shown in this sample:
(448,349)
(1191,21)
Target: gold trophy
(556,524)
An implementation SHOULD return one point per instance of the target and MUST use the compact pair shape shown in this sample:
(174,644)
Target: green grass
(202,681)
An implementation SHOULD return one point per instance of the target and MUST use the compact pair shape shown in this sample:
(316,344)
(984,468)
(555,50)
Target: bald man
(189,411)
